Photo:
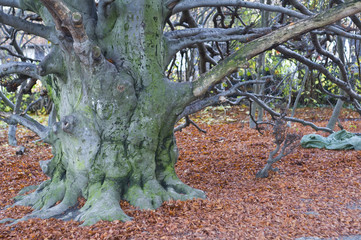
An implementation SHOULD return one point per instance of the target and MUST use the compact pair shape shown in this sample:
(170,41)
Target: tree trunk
(337,109)
(115,109)
(115,136)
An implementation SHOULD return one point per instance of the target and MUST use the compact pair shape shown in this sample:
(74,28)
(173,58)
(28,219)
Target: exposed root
(186,192)
(153,194)
(102,205)
(46,196)
(150,196)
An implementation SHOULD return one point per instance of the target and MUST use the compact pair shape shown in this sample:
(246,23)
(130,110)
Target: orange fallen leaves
(316,193)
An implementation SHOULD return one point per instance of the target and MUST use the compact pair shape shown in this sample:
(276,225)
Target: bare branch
(276,114)
(354,18)
(356,21)
(187,123)
(338,31)
(32,28)
(300,7)
(15,54)
(285,143)
(31,104)
(184,38)
(31,124)
(189,4)
(275,38)
(23,68)
(6,100)
(198,105)
(343,85)
(335,59)
(10,3)
(170,4)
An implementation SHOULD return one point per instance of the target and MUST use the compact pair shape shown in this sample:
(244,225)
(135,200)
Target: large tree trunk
(115,109)
(115,136)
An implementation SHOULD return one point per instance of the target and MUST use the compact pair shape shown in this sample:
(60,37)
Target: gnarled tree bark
(116,111)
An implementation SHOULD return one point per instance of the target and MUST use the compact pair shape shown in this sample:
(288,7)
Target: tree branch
(335,59)
(276,114)
(71,25)
(188,122)
(189,4)
(180,39)
(338,31)
(23,68)
(10,3)
(300,7)
(31,28)
(198,105)
(6,100)
(31,124)
(343,85)
(66,21)
(275,38)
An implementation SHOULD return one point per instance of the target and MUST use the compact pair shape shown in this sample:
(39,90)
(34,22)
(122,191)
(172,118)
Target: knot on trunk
(68,123)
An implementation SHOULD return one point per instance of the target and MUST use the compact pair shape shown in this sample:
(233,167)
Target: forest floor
(316,192)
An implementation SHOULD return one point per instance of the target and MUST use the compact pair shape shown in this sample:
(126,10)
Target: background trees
(114,107)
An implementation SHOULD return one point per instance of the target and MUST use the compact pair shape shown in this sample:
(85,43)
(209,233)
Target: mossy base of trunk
(110,179)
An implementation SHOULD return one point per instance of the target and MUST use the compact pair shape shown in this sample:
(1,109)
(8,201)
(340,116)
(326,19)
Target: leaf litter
(315,193)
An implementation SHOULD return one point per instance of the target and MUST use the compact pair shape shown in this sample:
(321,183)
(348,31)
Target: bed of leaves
(315,193)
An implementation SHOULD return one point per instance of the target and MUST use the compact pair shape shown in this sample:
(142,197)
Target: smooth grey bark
(259,88)
(338,107)
(12,135)
(299,93)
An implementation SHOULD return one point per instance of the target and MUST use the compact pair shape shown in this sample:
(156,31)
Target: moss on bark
(114,136)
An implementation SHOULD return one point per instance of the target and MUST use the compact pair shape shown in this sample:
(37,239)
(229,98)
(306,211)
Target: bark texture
(112,124)
(114,136)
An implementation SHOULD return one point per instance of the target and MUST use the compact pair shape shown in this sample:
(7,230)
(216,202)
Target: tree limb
(300,7)
(6,100)
(335,59)
(338,31)
(188,122)
(31,28)
(276,114)
(180,39)
(354,18)
(198,105)
(10,3)
(66,21)
(343,85)
(275,38)
(23,68)
(189,4)
(31,124)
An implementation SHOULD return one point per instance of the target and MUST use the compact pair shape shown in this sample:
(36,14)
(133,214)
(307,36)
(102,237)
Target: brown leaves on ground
(316,193)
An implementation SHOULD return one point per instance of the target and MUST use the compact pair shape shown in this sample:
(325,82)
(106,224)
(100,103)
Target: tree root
(103,205)
(46,195)
(153,194)
(186,192)
(150,196)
